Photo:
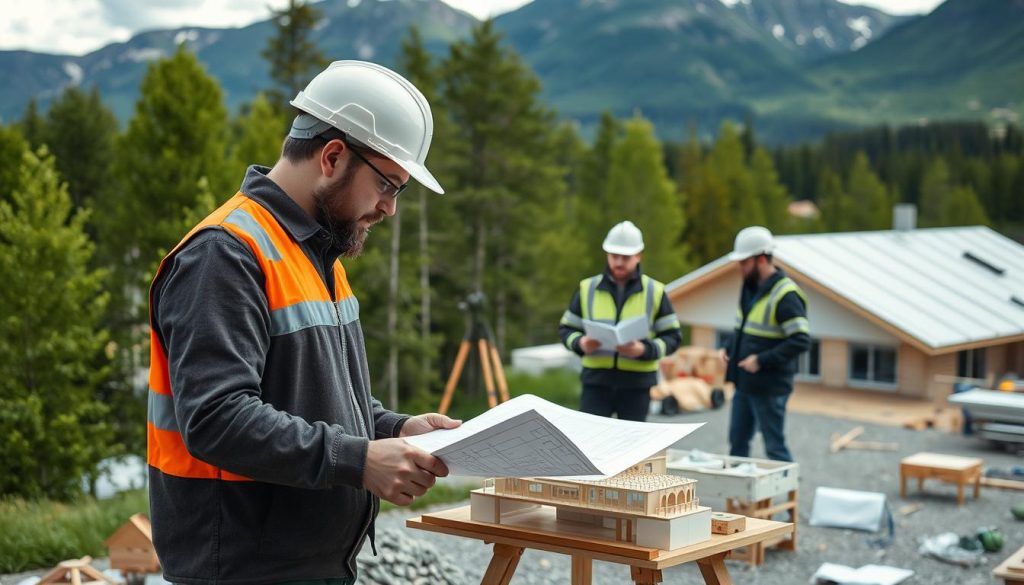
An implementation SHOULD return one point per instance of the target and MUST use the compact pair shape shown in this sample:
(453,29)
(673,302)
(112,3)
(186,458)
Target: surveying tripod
(477,333)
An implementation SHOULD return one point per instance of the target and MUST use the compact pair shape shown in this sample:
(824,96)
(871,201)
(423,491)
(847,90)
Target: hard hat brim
(739,256)
(622,250)
(420,173)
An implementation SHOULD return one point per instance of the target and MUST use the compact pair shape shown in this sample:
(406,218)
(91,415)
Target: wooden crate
(771,489)
(771,478)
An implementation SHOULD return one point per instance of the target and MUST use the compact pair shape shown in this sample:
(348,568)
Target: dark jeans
(753,412)
(628,403)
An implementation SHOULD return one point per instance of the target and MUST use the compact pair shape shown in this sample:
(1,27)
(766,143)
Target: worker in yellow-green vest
(617,379)
(771,331)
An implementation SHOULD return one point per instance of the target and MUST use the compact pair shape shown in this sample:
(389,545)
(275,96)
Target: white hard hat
(376,107)
(752,241)
(625,239)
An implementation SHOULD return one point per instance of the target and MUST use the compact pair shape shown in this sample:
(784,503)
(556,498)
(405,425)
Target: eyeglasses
(387,187)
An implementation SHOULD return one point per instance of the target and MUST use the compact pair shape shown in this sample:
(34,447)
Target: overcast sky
(77,27)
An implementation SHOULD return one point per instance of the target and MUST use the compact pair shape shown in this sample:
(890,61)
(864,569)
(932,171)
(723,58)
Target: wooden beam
(839,442)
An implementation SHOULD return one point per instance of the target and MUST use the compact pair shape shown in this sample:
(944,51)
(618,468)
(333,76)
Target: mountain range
(797,68)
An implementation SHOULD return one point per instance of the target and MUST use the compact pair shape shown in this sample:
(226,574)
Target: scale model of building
(643,504)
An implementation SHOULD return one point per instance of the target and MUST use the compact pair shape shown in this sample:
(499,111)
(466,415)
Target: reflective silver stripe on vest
(348,308)
(572,319)
(646,283)
(665,323)
(590,297)
(796,325)
(243,220)
(766,329)
(769,310)
(301,316)
(160,411)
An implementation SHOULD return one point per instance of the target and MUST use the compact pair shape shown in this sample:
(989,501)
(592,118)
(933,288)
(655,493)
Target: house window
(872,363)
(808,365)
(536,488)
(971,363)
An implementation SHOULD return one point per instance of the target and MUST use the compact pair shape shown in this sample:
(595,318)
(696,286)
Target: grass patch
(40,534)
(439,494)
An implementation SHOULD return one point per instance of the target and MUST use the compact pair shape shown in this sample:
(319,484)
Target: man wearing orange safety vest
(268,455)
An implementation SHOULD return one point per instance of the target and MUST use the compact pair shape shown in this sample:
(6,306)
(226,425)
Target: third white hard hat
(752,241)
(625,239)
(378,108)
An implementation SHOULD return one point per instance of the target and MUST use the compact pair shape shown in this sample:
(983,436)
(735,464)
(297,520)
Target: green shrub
(40,534)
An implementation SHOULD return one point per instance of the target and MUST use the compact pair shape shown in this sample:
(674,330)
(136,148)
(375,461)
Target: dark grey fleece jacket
(291,411)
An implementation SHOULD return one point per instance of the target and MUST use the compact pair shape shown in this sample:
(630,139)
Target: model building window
(515,484)
(808,365)
(593,494)
(634,499)
(648,467)
(612,495)
(872,363)
(536,488)
(563,492)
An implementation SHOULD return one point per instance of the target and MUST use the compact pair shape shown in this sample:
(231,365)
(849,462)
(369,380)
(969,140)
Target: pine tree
(12,149)
(936,191)
(835,204)
(729,160)
(173,151)
(870,200)
(597,215)
(80,132)
(645,195)
(506,177)
(31,124)
(963,208)
(259,134)
(52,428)
(293,55)
(770,192)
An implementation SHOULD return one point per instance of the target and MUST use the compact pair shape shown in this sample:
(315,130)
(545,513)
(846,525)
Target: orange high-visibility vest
(296,296)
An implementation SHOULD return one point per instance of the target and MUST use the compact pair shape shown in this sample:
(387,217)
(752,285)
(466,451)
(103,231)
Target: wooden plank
(839,442)
(1005,484)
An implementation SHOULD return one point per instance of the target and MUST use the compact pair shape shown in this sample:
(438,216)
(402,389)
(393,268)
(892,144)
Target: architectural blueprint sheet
(531,437)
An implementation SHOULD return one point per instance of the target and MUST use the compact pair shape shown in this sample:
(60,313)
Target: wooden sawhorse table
(537,528)
(1011,570)
(960,471)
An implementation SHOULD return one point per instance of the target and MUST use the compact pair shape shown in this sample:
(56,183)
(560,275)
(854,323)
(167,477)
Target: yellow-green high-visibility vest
(761,320)
(599,305)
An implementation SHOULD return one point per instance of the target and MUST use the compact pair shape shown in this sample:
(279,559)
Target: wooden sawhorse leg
(645,576)
(713,570)
(503,564)
(582,570)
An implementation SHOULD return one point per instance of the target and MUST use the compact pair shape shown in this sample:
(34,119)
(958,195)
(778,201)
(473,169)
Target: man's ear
(331,156)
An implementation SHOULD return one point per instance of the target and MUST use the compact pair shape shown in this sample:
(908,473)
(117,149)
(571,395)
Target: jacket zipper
(362,425)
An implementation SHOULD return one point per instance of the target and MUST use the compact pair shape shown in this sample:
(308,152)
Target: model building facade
(642,505)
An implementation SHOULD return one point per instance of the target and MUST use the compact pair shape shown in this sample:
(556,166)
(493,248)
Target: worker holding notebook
(621,323)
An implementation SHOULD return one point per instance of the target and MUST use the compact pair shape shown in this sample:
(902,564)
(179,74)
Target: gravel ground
(809,438)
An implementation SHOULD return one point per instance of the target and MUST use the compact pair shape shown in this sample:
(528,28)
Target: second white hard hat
(378,108)
(752,241)
(624,238)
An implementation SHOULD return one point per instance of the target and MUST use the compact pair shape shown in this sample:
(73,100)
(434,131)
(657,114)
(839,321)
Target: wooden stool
(948,468)
(764,509)
(1011,571)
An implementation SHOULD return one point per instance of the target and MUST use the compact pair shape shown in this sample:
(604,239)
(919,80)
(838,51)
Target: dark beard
(345,234)
(752,280)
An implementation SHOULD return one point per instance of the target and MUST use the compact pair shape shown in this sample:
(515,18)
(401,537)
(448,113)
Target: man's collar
(267,193)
